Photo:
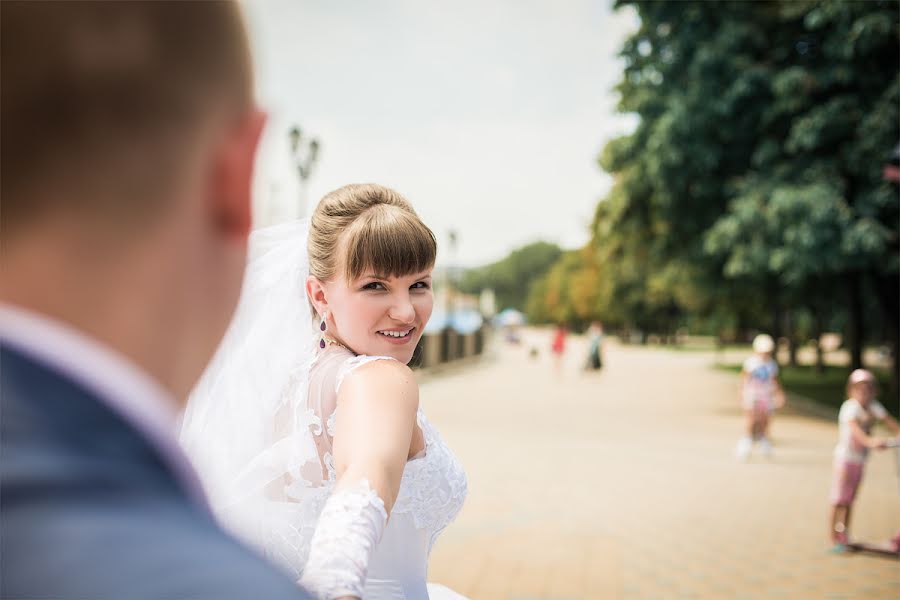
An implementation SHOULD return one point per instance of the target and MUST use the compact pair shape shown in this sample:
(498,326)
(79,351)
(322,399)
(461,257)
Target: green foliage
(752,186)
(512,277)
(570,292)
(794,233)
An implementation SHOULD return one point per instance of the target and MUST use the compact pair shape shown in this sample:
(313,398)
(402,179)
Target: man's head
(128,136)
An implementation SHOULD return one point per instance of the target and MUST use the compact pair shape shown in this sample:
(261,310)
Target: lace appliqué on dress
(434,487)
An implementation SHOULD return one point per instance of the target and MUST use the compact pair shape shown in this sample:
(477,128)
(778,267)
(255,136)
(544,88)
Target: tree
(832,222)
(763,131)
(512,277)
(750,195)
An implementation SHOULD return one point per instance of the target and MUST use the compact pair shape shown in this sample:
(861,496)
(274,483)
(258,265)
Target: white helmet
(763,343)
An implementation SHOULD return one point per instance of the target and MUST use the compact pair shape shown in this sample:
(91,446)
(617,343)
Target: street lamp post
(305,152)
(452,352)
(449,275)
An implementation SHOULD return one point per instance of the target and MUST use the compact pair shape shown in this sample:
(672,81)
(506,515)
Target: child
(858,413)
(761,394)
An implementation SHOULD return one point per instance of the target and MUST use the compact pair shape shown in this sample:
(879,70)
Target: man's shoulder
(47,415)
(120,545)
(29,383)
(87,499)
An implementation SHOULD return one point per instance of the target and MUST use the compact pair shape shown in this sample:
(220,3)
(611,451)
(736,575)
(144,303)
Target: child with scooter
(857,416)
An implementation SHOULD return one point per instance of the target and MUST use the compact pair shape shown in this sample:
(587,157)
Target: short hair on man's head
(103,101)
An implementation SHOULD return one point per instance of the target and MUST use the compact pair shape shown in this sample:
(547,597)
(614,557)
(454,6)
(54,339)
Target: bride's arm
(374,427)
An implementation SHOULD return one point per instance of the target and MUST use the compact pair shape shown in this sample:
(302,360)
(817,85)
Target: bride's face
(380,316)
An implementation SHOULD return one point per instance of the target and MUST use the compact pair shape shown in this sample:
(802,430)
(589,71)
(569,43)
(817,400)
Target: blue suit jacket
(88,509)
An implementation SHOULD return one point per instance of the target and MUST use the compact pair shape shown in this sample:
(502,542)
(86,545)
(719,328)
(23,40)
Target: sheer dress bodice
(432,491)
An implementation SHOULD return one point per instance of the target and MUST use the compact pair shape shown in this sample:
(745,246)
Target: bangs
(389,242)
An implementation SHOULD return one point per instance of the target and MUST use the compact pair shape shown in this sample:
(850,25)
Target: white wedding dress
(432,492)
(259,427)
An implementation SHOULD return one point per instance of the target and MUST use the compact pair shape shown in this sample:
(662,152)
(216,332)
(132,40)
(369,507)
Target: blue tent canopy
(509,317)
(462,321)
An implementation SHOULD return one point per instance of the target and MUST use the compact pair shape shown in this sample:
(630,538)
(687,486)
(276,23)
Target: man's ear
(315,290)
(232,179)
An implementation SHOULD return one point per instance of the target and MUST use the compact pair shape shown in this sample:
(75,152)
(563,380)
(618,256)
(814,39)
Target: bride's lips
(404,339)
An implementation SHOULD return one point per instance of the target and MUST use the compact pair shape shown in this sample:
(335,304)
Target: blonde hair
(362,228)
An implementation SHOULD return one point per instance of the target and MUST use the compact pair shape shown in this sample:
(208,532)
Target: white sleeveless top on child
(432,492)
(759,389)
(847,449)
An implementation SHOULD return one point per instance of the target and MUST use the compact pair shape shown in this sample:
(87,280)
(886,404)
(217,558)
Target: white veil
(247,426)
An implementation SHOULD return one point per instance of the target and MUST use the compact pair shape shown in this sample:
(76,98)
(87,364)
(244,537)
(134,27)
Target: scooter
(889,549)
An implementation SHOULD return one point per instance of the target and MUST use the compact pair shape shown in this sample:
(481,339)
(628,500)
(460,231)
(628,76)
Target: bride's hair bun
(368,228)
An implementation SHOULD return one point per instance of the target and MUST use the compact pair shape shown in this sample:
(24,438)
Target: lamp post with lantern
(305,153)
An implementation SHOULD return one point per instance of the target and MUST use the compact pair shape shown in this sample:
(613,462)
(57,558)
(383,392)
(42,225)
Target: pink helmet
(861,376)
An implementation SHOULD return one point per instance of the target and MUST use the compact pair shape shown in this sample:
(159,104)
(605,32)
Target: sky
(487,116)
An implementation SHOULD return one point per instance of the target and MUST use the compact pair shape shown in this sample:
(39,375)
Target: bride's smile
(380,315)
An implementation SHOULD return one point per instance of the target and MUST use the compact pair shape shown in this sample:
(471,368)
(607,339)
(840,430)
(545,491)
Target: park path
(622,484)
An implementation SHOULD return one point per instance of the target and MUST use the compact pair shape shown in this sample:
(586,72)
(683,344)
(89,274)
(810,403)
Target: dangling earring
(322,328)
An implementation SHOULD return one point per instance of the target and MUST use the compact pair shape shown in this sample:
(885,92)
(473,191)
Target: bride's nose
(402,309)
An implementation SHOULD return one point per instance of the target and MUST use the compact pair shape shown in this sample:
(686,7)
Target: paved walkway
(622,484)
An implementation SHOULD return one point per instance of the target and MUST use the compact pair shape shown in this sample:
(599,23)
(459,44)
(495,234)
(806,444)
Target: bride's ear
(315,291)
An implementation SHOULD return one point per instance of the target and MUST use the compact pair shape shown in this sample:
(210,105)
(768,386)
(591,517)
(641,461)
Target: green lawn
(705,347)
(827,388)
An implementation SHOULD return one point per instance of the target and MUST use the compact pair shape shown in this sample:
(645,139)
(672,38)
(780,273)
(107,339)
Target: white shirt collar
(116,381)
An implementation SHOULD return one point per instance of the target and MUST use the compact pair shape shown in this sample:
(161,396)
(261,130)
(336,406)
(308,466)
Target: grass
(826,388)
(704,347)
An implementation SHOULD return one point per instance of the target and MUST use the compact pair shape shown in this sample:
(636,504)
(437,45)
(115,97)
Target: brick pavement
(622,484)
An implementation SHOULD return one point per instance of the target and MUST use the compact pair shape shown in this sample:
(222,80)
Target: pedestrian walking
(558,347)
(595,346)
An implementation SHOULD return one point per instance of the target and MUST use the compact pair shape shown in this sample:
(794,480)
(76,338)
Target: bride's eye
(375,285)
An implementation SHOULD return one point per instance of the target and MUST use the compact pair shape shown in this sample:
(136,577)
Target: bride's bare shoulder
(381,381)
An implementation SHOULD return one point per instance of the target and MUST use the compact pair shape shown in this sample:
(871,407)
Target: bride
(306,428)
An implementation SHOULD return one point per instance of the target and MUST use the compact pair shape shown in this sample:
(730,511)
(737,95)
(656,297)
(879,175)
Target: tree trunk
(818,330)
(776,320)
(855,325)
(742,330)
(792,339)
(855,332)
(777,315)
(887,291)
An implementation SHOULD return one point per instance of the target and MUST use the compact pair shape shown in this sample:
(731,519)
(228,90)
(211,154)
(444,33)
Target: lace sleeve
(348,530)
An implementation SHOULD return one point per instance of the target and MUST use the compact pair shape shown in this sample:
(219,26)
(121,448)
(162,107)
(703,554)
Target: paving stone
(622,484)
